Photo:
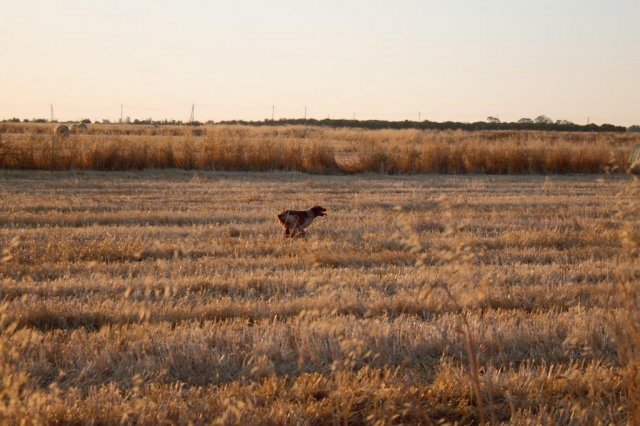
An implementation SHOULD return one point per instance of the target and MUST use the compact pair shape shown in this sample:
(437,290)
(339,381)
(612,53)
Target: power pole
(273,112)
(192,117)
(588,120)
(51,113)
(419,117)
(305,112)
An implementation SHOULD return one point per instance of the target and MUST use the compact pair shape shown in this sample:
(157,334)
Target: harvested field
(171,297)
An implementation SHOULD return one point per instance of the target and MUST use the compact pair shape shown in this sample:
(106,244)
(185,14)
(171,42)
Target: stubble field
(165,297)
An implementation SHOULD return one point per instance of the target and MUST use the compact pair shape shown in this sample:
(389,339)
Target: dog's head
(318,211)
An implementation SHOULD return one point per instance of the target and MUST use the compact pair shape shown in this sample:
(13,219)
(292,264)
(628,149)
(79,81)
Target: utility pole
(273,112)
(588,120)
(354,115)
(192,117)
(305,112)
(51,113)
(419,117)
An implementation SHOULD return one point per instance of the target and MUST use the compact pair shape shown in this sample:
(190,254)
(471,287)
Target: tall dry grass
(114,153)
(481,156)
(313,150)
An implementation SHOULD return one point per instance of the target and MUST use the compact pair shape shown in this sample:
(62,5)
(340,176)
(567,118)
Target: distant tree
(543,119)
(493,120)
(85,121)
(564,122)
(106,121)
(40,120)
(145,121)
(522,124)
(13,120)
(634,128)
(127,120)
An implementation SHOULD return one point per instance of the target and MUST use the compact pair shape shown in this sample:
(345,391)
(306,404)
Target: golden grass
(171,297)
(312,150)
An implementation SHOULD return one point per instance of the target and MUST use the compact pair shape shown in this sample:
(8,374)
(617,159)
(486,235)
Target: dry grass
(312,150)
(170,297)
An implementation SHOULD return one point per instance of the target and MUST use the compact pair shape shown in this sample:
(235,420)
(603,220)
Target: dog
(295,221)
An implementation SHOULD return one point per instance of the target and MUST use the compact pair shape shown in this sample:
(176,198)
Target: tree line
(522,124)
(539,123)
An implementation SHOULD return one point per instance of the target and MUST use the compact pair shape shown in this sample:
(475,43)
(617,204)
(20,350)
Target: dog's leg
(287,233)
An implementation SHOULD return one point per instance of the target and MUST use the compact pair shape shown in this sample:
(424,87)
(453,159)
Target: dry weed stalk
(8,253)
(18,395)
(625,316)
(634,161)
(456,261)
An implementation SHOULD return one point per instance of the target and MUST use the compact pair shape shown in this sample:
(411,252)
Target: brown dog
(295,221)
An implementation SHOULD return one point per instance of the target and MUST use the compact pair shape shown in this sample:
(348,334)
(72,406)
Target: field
(316,150)
(169,296)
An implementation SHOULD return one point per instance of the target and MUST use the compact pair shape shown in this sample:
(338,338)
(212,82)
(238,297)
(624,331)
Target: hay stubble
(171,297)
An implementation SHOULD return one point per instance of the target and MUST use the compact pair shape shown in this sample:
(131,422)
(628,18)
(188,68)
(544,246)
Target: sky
(457,60)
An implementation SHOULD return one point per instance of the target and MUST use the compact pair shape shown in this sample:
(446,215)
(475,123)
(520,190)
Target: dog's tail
(282,217)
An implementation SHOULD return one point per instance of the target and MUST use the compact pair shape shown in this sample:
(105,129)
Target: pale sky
(447,60)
